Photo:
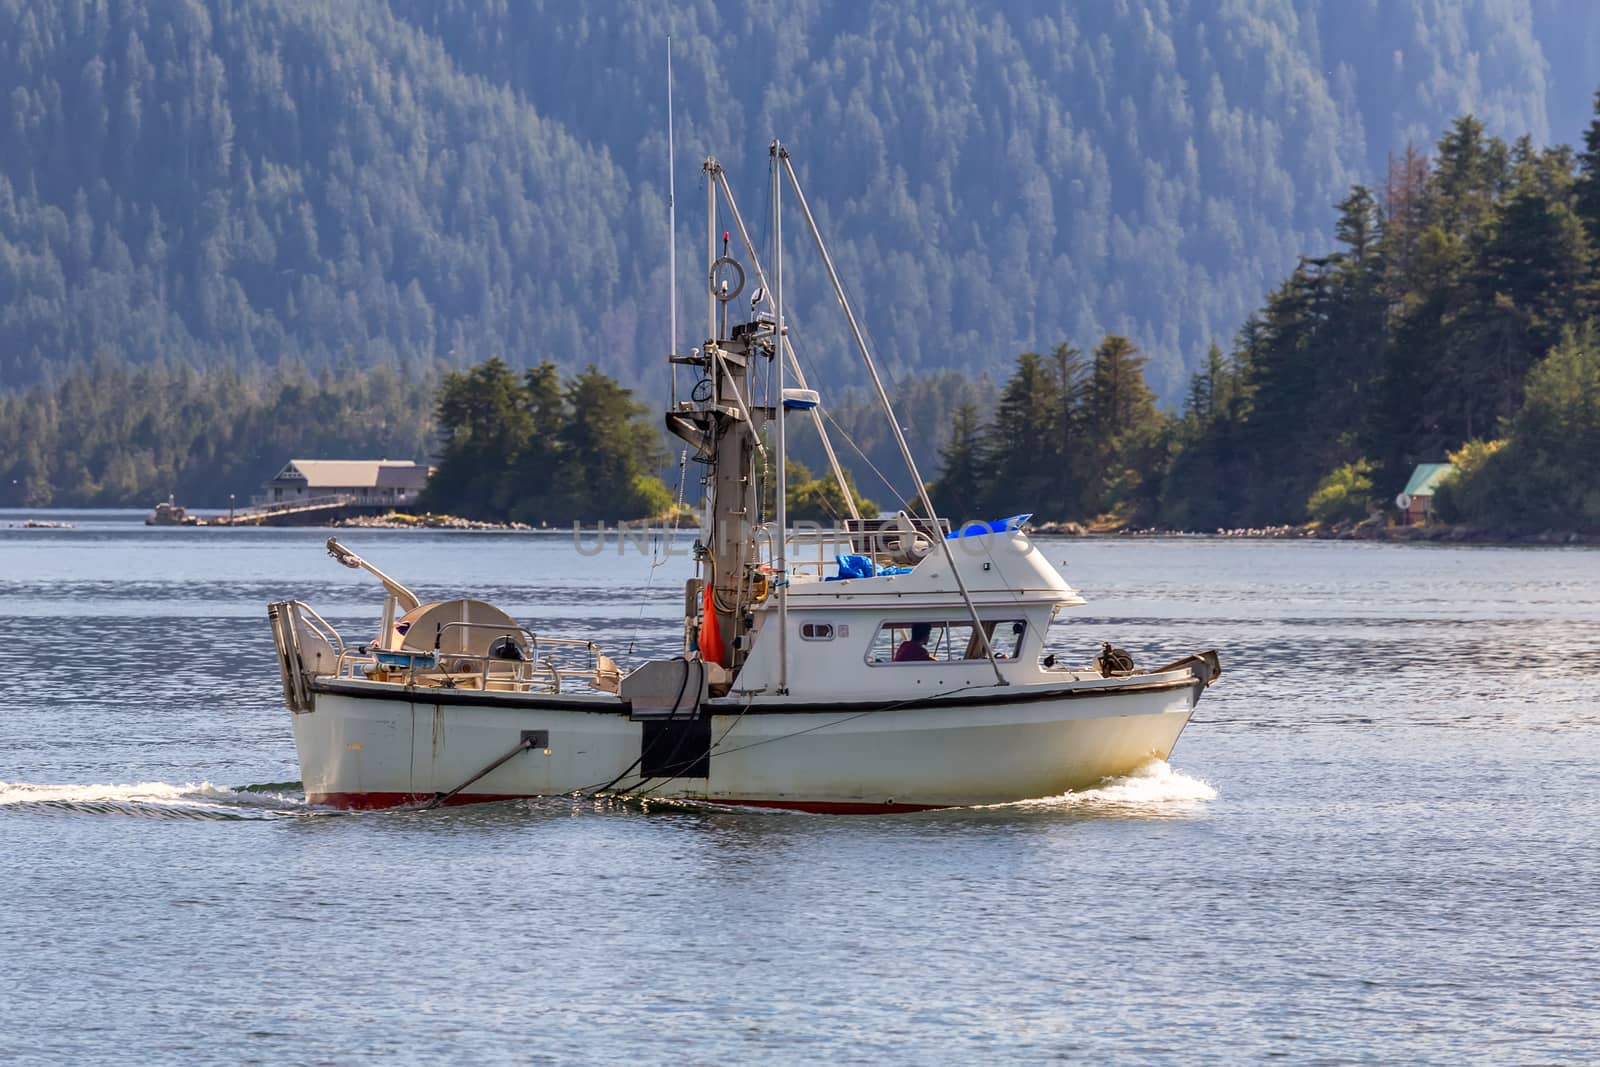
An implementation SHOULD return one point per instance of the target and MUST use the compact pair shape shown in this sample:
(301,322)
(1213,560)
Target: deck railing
(544,670)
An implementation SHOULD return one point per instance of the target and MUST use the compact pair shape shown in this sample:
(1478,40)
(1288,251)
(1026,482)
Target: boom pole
(781,563)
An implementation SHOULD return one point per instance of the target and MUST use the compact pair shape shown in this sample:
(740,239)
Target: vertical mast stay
(883,399)
(712,169)
(794,362)
(672,239)
(781,563)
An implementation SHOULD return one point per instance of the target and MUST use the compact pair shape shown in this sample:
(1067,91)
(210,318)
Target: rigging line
(749,699)
(888,410)
(440,799)
(683,687)
(717,749)
(887,484)
(672,237)
(660,550)
(848,718)
(671,761)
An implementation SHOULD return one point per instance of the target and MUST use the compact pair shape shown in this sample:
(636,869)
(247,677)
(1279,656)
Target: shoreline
(1369,530)
(1434,533)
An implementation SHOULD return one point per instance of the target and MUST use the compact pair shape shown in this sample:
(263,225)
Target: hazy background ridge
(238,182)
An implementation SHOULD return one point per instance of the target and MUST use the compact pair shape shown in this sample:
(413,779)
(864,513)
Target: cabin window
(944,641)
(1005,637)
(817,631)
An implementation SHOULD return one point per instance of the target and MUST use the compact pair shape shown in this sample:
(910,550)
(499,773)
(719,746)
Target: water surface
(1376,842)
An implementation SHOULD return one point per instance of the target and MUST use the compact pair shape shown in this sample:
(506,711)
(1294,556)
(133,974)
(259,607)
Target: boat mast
(888,410)
(725,429)
(712,168)
(788,349)
(780,563)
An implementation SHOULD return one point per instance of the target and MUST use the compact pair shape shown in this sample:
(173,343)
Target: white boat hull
(366,745)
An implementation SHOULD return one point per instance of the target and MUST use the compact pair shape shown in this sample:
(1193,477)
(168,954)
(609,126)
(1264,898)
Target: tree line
(535,448)
(1070,437)
(108,434)
(1451,321)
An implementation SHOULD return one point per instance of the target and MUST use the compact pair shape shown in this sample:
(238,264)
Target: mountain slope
(240,181)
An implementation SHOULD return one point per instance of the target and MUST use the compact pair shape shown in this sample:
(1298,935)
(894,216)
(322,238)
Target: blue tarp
(976,529)
(852,565)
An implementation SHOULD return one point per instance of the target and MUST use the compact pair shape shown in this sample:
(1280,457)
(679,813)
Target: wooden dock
(310,511)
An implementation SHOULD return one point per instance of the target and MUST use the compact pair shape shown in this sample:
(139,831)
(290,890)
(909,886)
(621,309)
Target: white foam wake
(1153,790)
(196,800)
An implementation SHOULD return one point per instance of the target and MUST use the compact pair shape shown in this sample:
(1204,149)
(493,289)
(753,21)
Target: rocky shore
(396,520)
(1373,529)
(399,520)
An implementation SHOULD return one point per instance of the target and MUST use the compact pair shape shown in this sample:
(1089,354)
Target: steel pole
(781,564)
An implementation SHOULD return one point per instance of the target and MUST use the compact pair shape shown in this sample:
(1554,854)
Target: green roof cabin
(1416,500)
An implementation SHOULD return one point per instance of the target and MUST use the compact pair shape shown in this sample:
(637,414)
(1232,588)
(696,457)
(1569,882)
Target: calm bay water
(1378,840)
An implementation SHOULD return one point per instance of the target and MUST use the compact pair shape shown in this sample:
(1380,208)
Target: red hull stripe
(826,807)
(375,801)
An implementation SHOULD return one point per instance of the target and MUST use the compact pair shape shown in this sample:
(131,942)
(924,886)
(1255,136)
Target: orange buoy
(710,631)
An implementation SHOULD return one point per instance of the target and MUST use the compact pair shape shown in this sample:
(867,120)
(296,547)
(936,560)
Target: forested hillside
(232,183)
(109,435)
(1454,319)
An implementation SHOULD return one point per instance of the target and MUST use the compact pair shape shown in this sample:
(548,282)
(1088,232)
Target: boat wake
(157,800)
(1154,790)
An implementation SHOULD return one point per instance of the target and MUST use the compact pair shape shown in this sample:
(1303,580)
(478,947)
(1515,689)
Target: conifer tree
(484,426)
(1122,425)
(960,491)
(1022,438)
(1066,455)
(608,452)
(1588,183)
(1529,282)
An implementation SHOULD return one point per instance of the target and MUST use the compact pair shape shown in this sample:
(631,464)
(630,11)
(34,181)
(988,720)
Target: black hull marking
(524,702)
(471,698)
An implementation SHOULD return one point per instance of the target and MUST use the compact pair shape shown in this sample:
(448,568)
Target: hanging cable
(660,549)
(893,492)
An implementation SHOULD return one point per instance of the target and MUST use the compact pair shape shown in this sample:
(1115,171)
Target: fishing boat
(168,513)
(892,664)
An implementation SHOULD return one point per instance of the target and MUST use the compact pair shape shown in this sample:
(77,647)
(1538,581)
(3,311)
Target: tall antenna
(780,543)
(672,236)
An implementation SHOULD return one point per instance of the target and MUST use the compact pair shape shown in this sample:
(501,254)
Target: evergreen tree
(1529,283)
(1065,456)
(1544,476)
(608,453)
(110,435)
(963,483)
(813,499)
(1587,187)
(538,492)
(1123,428)
(1022,464)
(484,426)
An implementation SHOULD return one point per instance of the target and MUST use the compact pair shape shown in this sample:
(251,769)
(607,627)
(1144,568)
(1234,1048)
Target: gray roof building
(369,481)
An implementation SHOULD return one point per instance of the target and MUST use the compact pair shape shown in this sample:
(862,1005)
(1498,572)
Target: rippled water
(1377,841)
